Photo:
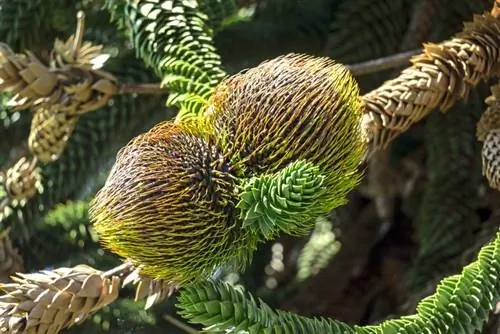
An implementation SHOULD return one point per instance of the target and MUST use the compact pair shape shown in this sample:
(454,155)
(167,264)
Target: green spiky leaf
(285,201)
(461,304)
(173,37)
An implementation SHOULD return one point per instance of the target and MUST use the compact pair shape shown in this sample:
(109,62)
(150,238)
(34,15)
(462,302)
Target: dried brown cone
(154,290)
(50,301)
(75,88)
(10,260)
(488,131)
(82,90)
(439,77)
(50,131)
(88,54)
(27,78)
(21,179)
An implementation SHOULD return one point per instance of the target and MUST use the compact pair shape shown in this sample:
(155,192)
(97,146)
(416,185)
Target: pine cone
(27,79)
(437,79)
(293,107)
(174,192)
(169,204)
(49,301)
(72,88)
(87,54)
(50,131)
(21,179)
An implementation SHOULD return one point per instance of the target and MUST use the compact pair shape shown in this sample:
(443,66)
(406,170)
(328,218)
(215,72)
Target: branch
(382,64)
(141,88)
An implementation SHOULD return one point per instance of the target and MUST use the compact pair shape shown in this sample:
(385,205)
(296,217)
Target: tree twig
(364,68)
(141,88)
(179,324)
(382,64)
(80,29)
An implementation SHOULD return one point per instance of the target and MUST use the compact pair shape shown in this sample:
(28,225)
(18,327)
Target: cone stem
(80,29)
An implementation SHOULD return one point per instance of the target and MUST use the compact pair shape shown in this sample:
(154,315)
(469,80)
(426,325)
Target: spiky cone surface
(169,207)
(50,132)
(439,77)
(21,179)
(293,107)
(169,204)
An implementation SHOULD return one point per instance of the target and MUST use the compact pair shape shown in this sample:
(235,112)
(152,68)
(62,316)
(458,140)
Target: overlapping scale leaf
(461,304)
(286,201)
(173,38)
(447,216)
(218,10)
(220,307)
(379,25)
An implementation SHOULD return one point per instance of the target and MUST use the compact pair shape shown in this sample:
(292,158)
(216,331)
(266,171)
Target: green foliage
(14,128)
(173,38)
(217,11)
(125,315)
(318,251)
(33,24)
(67,226)
(220,307)
(461,304)
(379,28)
(286,201)
(447,217)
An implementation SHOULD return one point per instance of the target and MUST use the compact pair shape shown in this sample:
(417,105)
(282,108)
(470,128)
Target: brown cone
(21,179)
(50,131)
(49,301)
(439,77)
